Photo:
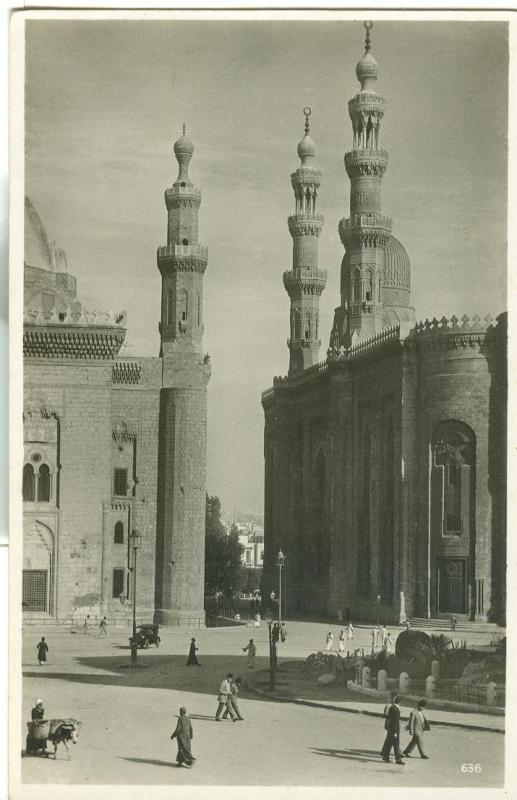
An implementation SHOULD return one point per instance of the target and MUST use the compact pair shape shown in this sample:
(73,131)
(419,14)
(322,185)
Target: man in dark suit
(392,726)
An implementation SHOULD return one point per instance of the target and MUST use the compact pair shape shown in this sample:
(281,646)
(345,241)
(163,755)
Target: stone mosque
(114,446)
(385,462)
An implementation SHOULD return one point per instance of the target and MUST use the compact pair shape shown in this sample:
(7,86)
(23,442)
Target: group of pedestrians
(381,639)
(418,723)
(344,636)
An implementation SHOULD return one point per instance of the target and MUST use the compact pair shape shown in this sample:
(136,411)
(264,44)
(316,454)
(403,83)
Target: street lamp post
(135,540)
(378,609)
(272,659)
(280,562)
(217,596)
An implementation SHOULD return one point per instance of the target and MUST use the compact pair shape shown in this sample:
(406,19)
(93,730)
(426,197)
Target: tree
(222,552)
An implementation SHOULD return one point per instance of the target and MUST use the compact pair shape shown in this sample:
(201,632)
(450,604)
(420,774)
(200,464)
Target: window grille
(118,582)
(34,590)
(120,482)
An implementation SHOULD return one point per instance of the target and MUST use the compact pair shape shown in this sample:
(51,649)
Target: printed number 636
(471,768)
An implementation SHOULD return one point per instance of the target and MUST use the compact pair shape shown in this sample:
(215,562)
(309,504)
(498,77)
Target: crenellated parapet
(453,333)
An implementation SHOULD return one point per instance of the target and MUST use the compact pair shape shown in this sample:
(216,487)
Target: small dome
(367,70)
(37,247)
(184,146)
(306,148)
(397,267)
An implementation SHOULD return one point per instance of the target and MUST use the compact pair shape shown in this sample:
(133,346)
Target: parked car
(145,635)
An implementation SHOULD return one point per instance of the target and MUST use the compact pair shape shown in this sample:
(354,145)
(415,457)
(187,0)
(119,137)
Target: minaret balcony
(366,103)
(183,257)
(366,161)
(304,224)
(198,250)
(365,230)
(178,190)
(307,280)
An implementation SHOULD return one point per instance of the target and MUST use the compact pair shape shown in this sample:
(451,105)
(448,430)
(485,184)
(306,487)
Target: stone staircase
(462,625)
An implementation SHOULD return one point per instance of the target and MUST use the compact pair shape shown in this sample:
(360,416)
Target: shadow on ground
(155,671)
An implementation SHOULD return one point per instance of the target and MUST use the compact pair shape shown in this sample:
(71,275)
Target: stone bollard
(403,683)
(491,693)
(435,669)
(382,680)
(366,677)
(430,684)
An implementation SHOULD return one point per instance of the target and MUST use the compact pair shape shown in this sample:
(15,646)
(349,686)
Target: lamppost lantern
(280,559)
(135,539)
(272,596)
(378,609)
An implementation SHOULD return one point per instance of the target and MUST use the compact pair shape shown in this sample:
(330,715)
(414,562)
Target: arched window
(453,477)
(297,324)
(184,306)
(119,533)
(184,241)
(43,484)
(307,327)
(28,483)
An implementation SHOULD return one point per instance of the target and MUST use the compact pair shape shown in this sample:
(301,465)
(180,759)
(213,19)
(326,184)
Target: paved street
(128,716)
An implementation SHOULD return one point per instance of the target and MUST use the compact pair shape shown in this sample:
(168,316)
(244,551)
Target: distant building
(114,443)
(385,463)
(252,539)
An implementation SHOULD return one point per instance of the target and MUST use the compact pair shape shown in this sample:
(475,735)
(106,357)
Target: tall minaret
(366,232)
(305,282)
(182,261)
(180,518)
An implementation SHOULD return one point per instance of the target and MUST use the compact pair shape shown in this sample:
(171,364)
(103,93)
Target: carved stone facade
(385,463)
(114,444)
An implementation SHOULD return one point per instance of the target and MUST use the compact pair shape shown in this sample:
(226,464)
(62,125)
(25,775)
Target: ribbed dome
(397,267)
(37,248)
(306,149)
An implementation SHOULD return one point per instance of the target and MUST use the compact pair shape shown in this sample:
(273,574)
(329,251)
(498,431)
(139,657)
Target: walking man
(392,726)
(252,652)
(222,698)
(453,622)
(384,634)
(329,640)
(350,630)
(341,641)
(184,734)
(86,626)
(103,625)
(416,726)
(233,702)
(42,651)
(283,631)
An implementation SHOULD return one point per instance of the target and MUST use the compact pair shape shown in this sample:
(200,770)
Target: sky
(105,102)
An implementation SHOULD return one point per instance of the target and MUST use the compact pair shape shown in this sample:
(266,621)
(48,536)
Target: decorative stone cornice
(305,224)
(366,162)
(311,281)
(81,343)
(306,176)
(182,258)
(35,410)
(365,104)
(126,372)
(365,230)
(301,344)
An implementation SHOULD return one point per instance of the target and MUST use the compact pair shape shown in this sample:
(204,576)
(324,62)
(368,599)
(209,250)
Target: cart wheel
(146,644)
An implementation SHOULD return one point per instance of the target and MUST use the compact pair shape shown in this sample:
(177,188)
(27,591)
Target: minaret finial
(367,43)
(184,131)
(307,111)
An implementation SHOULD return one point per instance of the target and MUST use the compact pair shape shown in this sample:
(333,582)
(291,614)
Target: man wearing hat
(37,714)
